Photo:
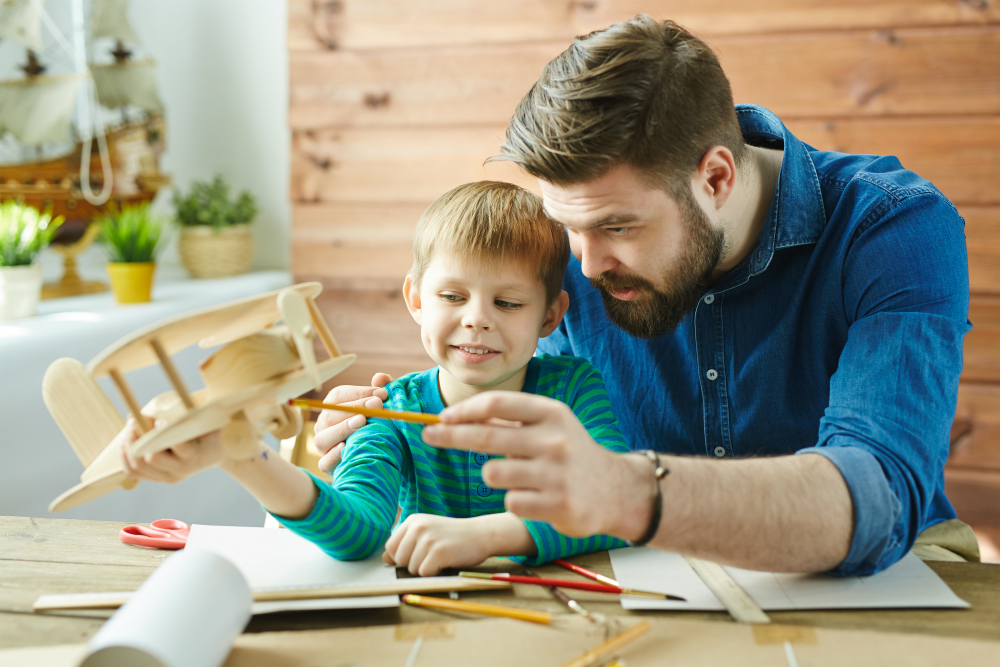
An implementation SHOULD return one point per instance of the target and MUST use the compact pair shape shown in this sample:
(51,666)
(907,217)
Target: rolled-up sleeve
(893,395)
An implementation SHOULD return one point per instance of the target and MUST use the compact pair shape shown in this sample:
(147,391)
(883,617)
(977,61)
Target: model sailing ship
(96,167)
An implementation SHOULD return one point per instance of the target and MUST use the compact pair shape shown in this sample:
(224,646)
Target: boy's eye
(507,305)
(453,298)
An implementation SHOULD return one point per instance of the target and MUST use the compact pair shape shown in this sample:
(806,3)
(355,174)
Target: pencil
(566,583)
(611,582)
(399,415)
(477,608)
(562,597)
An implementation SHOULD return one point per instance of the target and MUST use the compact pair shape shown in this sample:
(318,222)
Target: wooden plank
(395,165)
(960,155)
(982,233)
(893,72)
(392,166)
(857,73)
(72,541)
(354,245)
(975,494)
(975,441)
(375,325)
(372,24)
(368,245)
(413,87)
(982,344)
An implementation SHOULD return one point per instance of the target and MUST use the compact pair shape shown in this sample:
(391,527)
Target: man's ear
(555,314)
(715,177)
(411,295)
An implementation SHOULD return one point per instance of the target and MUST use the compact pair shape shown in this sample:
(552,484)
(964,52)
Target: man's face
(650,255)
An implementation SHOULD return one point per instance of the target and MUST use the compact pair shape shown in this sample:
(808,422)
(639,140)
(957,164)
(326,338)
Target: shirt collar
(797,215)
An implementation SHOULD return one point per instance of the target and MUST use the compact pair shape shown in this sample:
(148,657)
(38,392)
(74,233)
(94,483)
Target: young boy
(485,285)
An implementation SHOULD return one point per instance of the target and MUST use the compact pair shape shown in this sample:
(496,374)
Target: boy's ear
(411,295)
(554,314)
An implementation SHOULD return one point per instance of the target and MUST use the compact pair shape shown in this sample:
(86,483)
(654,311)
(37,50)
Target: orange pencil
(400,415)
(477,608)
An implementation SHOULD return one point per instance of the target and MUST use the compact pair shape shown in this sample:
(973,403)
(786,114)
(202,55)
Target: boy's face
(480,325)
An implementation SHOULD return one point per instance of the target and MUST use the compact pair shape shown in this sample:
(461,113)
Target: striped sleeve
(589,401)
(353,516)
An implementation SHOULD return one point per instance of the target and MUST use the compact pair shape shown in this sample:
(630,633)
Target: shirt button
(482,458)
(720,451)
(484,490)
(711,374)
(709,298)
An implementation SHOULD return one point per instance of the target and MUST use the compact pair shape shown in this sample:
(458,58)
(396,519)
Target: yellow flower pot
(131,282)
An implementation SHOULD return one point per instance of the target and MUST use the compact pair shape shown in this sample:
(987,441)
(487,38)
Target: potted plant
(24,233)
(215,231)
(131,235)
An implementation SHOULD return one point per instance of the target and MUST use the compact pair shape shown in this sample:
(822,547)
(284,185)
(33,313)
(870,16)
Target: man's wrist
(636,491)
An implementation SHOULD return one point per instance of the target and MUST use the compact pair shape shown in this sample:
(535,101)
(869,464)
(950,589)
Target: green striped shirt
(385,464)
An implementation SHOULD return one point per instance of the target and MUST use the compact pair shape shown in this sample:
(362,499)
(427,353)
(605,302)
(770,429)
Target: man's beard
(653,312)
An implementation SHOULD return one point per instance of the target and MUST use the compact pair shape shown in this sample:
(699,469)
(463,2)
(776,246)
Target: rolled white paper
(186,614)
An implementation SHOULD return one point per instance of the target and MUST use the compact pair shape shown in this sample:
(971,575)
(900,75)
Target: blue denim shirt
(840,334)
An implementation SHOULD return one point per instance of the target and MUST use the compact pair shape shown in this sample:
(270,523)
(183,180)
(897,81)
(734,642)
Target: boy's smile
(480,322)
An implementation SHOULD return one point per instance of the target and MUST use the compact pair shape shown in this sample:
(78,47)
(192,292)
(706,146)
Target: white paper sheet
(279,559)
(186,614)
(907,584)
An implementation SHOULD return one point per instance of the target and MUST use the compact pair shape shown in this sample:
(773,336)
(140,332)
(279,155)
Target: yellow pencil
(477,608)
(417,417)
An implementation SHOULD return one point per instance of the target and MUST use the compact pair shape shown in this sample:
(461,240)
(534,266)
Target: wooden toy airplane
(247,384)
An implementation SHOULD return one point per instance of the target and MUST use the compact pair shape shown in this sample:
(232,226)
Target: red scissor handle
(162,534)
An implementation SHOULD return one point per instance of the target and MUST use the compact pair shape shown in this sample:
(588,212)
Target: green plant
(130,233)
(24,233)
(208,204)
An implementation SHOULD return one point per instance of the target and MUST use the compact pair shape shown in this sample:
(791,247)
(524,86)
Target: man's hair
(642,93)
(493,222)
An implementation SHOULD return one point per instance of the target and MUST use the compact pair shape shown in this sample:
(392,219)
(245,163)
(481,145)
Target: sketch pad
(908,584)
(278,559)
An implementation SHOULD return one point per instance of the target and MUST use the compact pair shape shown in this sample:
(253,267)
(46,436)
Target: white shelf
(37,461)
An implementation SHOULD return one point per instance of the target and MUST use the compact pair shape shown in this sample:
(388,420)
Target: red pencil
(607,580)
(565,583)
(585,572)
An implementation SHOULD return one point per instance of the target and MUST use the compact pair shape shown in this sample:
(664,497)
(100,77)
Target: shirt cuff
(876,507)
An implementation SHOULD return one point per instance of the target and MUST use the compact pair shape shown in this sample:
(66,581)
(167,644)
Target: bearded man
(781,326)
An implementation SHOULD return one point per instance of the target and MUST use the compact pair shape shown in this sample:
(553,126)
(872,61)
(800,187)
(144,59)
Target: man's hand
(333,428)
(555,471)
(425,544)
(170,465)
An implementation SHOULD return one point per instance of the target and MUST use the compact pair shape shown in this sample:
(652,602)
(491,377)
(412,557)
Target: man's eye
(507,305)
(617,231)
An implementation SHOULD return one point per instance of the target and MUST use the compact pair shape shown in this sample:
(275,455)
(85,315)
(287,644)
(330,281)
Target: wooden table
(50,556)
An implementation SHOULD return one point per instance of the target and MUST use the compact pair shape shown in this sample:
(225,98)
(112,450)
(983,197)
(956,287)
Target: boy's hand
(174,464)
(425,544)
(333,428)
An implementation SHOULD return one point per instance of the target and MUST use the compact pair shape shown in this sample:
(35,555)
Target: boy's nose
(477,317)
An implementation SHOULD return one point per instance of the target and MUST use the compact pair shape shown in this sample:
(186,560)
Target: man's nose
(594,259)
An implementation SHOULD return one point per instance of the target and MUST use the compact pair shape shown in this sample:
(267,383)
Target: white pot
(20,290)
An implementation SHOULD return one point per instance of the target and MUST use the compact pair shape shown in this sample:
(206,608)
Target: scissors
(162,534)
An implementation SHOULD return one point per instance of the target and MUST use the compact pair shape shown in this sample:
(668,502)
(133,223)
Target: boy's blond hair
(493,222)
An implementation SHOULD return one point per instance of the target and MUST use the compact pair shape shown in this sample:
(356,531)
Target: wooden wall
(393,102)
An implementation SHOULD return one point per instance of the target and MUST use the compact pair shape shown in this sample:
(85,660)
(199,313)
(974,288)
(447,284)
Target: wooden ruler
(736,600)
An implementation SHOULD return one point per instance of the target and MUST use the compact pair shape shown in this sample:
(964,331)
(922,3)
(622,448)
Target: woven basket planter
(210,254)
